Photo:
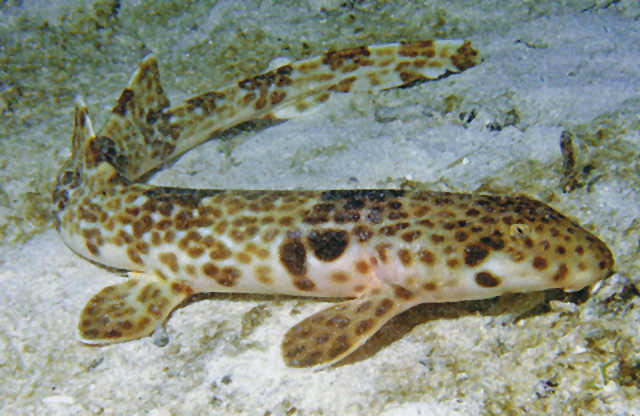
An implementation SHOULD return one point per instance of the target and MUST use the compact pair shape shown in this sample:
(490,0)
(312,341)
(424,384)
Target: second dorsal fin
(131,125)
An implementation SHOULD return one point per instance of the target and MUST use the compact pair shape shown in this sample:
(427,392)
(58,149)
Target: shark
(382,250)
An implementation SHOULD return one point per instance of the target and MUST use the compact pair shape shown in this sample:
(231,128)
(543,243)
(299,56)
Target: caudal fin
(147,133)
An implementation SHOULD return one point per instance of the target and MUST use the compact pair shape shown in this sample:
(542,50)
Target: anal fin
(129,310)
(337,331)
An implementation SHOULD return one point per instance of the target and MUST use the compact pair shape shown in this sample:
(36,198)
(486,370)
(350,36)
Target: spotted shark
(384,250)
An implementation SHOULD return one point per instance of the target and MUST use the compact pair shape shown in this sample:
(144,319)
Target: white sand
(224,351)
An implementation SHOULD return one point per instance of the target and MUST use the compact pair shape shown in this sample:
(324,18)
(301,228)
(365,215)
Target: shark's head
(534,247)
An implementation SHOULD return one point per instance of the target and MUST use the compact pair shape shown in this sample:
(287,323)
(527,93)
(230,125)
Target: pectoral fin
(337,331)
(129,310)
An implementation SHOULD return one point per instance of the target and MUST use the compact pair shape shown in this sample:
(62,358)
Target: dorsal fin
(82,132)
(147,133)
(72,173)
(131,123)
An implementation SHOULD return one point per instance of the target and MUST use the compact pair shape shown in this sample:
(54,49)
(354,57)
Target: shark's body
(388,250)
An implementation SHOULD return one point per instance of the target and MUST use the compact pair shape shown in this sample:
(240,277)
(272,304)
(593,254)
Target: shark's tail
(146,132)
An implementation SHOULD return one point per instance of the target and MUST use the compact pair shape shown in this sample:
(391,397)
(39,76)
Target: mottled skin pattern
(388,250)
(147,132)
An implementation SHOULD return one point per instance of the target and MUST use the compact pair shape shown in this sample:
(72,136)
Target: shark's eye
(519,230)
